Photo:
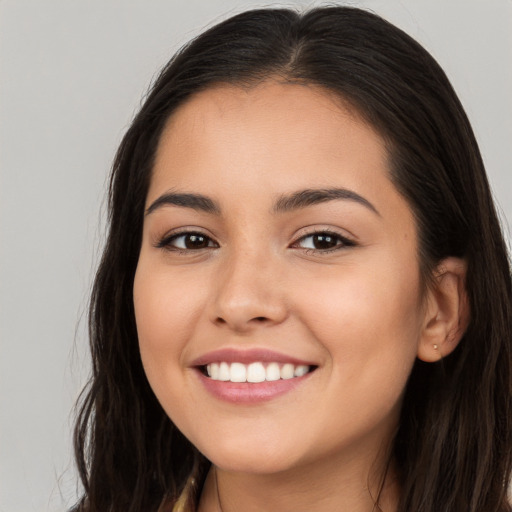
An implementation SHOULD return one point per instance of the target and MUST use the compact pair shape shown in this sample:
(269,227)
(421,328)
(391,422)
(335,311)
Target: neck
(336,487)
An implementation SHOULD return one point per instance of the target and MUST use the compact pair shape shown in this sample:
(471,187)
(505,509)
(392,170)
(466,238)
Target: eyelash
(342,242)
(166,242)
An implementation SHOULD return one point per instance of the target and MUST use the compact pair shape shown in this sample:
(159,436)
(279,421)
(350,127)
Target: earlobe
(446,311)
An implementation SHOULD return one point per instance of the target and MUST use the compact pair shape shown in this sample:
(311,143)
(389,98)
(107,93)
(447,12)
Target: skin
(358,312)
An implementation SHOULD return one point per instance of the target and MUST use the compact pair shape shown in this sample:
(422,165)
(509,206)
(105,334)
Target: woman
(305,299)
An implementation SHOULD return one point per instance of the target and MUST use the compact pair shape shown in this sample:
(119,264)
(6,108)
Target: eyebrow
(285,203)
(310,197)
(195,201)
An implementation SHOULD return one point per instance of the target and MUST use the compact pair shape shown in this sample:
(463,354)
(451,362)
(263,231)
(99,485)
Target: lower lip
(249,392)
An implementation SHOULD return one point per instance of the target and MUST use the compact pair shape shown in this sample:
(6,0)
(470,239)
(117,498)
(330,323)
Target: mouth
(255,372)
(251,376)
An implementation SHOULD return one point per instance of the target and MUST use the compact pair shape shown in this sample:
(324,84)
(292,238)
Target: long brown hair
(453,446)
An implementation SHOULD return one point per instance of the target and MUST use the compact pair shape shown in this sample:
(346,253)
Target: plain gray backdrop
(71,77)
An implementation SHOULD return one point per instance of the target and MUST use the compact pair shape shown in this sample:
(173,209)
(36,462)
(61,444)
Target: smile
(251,376)
(255,372)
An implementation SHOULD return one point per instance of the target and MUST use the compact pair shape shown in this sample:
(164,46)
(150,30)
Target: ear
(446,311)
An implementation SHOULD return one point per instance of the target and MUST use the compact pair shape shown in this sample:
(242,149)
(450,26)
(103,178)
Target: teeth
(300,371)
(238,372)
(254,372)
(287,371)
(224,372)
(214,370)
(272,372)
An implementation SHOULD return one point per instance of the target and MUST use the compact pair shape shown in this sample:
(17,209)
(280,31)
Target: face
(276,250)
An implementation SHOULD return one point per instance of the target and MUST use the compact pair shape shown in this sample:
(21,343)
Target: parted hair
(453,445)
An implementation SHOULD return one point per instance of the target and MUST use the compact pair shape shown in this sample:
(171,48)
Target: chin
(249,457)
(251,464)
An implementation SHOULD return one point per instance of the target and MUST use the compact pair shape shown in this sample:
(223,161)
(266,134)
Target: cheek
(368,325)
(165,313)
(368,319)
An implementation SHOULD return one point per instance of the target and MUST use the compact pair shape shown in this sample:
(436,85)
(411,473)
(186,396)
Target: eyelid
(312,229)
(347,241)
(164,242)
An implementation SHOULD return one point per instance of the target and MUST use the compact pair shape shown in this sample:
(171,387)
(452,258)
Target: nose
(249,292)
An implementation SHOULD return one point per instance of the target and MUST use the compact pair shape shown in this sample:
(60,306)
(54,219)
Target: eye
(323,241)
(188,241)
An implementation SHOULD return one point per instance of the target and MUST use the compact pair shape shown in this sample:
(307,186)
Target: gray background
(71,76)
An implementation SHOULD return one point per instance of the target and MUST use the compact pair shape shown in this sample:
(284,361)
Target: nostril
(239,321)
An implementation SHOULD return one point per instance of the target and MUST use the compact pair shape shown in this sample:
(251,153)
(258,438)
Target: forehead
(220,100)
(286,133)
(264,108)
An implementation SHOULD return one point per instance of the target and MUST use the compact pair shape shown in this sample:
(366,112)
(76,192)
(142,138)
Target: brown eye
(187,241)
(195,241)
(323,241)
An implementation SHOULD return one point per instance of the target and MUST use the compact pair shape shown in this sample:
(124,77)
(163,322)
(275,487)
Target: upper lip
(247,356)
